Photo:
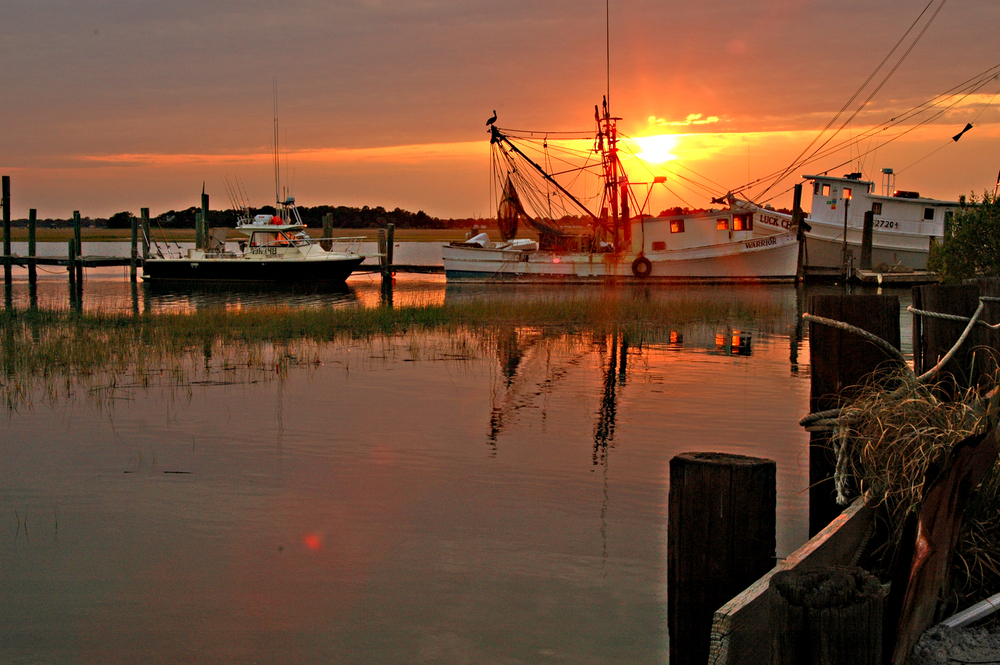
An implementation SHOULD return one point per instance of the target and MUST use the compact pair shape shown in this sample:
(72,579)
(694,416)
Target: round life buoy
(641,267)
(277,220)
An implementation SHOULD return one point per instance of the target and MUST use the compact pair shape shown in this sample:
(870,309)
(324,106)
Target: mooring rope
(833,420)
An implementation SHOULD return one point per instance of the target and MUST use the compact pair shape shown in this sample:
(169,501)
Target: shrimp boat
(904,224)
(713,246)
(271,248)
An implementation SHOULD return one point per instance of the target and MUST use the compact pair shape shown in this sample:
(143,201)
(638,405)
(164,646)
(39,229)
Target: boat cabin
(713,227)
(893,210)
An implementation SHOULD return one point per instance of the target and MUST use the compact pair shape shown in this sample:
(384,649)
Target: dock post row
(75,260)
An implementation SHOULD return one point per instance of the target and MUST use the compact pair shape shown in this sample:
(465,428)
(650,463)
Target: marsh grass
(900,429)
(52,354)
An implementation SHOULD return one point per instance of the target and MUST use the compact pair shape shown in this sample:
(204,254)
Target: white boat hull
(772,258)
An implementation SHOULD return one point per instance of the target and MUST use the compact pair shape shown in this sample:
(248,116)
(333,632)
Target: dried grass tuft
(893,436)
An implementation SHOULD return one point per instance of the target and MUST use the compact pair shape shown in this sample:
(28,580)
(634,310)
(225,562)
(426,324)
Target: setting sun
(657,149)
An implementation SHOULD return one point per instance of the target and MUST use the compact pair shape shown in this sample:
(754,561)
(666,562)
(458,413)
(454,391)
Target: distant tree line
(343,217)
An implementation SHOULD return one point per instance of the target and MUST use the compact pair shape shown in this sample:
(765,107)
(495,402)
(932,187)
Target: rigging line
(971,84)
(977,83)
(932,152)
(950,141)
(865,84)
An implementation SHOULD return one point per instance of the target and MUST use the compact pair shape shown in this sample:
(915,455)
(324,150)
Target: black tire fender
(641,267)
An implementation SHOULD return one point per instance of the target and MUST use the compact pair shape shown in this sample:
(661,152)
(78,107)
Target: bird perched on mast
(492,120)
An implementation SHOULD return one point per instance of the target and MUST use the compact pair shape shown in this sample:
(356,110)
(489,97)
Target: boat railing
(342,245)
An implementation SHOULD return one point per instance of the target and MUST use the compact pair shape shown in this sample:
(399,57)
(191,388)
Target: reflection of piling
(32,246)
(721,538)
(841,361)
(5,202)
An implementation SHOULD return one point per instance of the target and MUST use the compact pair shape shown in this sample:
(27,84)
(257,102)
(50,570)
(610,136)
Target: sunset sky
(114,105)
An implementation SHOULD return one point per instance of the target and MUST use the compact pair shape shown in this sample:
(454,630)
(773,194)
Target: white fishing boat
(717,245)
(904,224)
(271,248)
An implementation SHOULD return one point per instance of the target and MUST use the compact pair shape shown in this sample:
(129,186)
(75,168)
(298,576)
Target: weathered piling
(841,361)
(78,236)
(144,212)
(203,238)
(32,245)
(71,260)
(382,253)
(5,202)
(134,254)
(867,234)
(199,230)
(327,243)
(390,240)
(934,337)
(800,232)
(826,616)
(721,538)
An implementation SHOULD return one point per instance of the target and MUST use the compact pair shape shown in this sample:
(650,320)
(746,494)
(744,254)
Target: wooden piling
(71,260)
(204,219)
(199,230)
(78,236)
(32,245)
(326,243)
(800,233)
(133,266)
(933,337)
(841,361)
(145,233)
(390,236)
(867,234)
(826,616)
(721,538)
(5,203)
(383,253)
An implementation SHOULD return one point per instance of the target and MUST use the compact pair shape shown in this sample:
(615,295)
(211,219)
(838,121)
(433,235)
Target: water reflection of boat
(719,245)
(273,249)
(173,294)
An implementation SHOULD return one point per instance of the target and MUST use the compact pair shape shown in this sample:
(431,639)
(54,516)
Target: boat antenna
(275,154)
(607,43)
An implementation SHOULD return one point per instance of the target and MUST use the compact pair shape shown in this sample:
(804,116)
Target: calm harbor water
(466,497)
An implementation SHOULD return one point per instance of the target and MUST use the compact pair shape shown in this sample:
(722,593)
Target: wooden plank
(741,630)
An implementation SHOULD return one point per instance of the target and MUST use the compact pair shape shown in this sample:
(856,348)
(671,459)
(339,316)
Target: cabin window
(877,208)
(815,189)
(826,190)
(928,213)
(847,192)
(677,226)
(722,224)
(659,245)
(742,222)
